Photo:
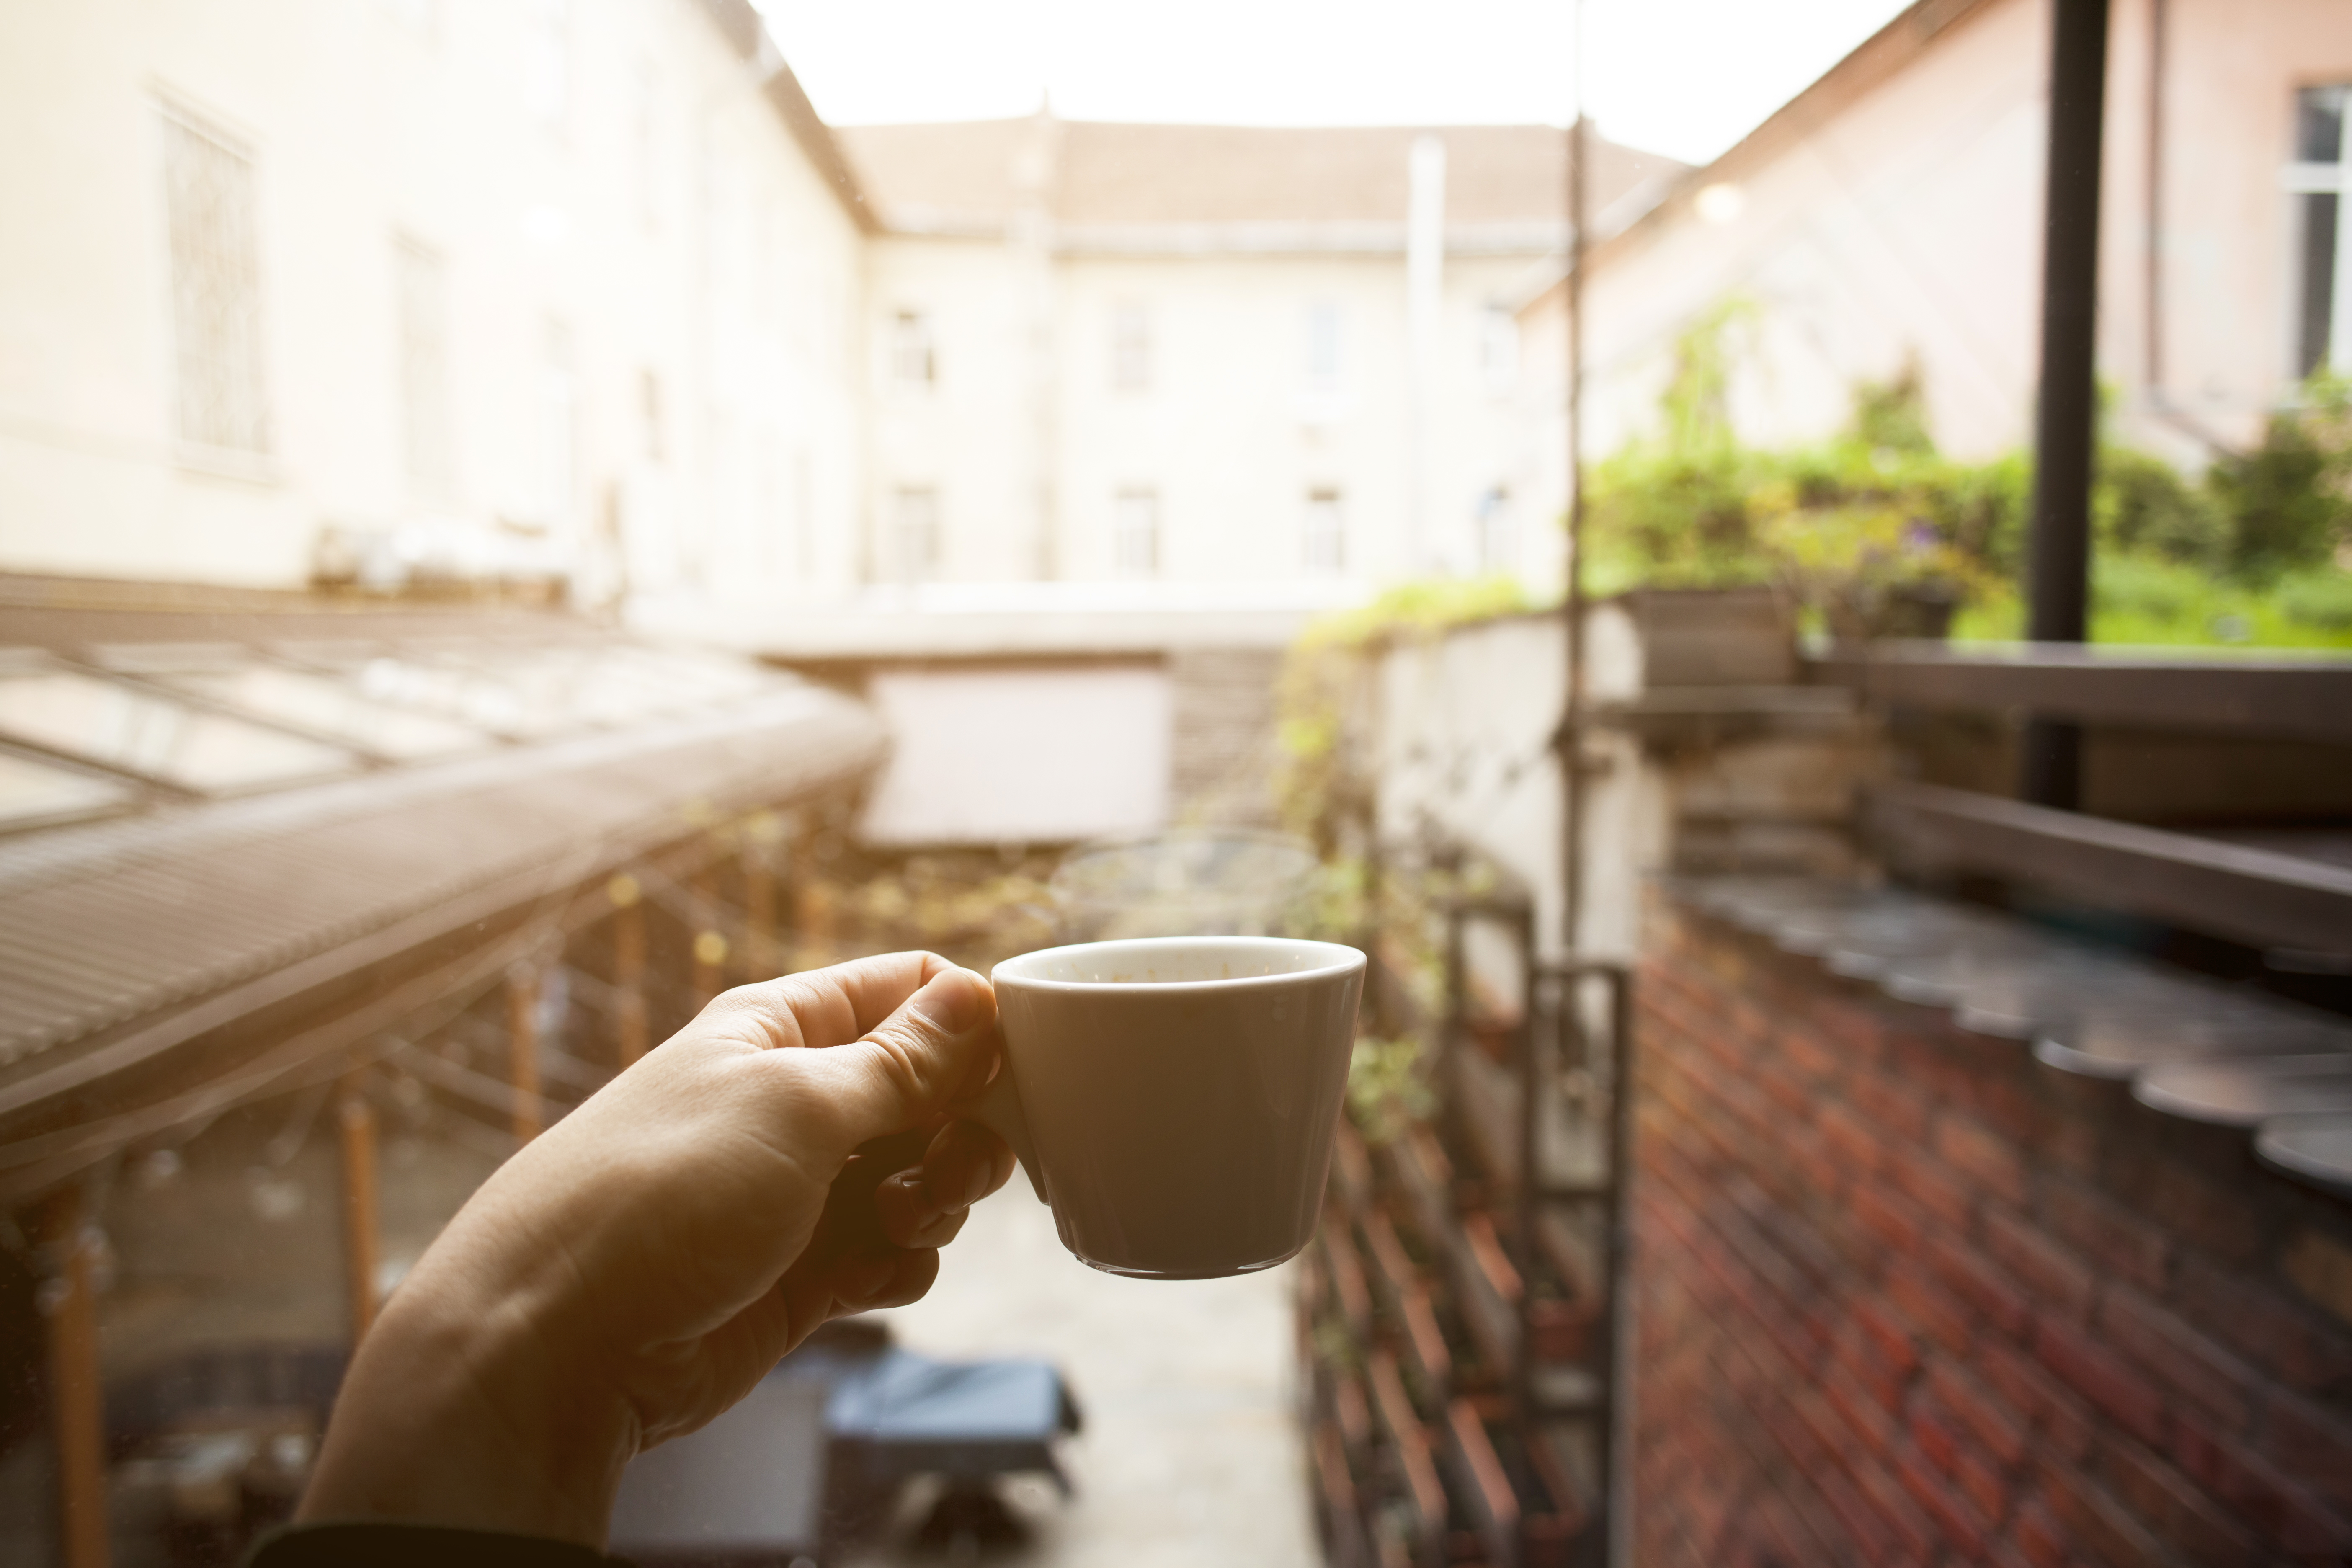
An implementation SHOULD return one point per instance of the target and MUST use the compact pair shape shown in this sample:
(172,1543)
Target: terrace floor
(1189,1454)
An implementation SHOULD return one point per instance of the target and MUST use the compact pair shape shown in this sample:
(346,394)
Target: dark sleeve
(416,1546)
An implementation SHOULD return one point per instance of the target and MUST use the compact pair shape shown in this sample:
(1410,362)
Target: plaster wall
(1904,221)
(659,217)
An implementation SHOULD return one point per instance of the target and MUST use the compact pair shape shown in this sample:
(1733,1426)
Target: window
(557,426)
(1498,534)
(1131,348)
(1498,349)
(547,60)
(650,407)
(913,361)
(1326,533)
(216,288)
(423,312)
(1323,348)
(2322,152)
(803,514)
(1135,533)
(914,534)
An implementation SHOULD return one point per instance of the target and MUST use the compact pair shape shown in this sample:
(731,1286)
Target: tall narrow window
(216,288)
(2322,152)
(1135,533)
(915,534)
(424,310)
(547,60)
(1323,348)
(1131,348)
(649,411)
(1498,534)
(1326,553)
(804,515)
(913,361)
(558,427)
(1498,349)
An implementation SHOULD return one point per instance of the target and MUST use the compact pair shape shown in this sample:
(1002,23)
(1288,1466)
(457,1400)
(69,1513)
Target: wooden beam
(709,942)
(77,1398)
(628,968)
(362,1237)
(522,1049)
(759,913)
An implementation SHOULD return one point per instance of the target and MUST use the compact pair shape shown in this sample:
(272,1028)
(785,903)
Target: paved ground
(1190,1454)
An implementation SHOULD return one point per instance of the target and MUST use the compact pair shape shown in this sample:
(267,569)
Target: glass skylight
(140,731)
(33,793)
(304,700)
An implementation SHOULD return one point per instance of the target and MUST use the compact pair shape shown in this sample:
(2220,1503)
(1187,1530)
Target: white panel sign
(1021,755)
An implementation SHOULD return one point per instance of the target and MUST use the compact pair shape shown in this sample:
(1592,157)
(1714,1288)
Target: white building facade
(402,289)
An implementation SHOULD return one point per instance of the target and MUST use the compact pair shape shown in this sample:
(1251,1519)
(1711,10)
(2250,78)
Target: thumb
(917,1061)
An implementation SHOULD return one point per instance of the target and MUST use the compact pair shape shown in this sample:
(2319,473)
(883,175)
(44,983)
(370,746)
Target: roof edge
(747,34)
(1875,60)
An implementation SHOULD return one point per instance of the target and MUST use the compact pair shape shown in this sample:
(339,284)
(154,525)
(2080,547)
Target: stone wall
(1907,1297)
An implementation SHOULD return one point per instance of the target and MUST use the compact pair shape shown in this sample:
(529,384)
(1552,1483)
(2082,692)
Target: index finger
(838,1003)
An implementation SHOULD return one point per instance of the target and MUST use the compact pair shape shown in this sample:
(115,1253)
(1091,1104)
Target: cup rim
(1340,960)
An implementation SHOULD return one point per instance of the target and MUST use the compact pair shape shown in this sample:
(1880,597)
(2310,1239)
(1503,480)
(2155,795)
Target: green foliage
(1672,509)
(1388,1088)
(2289,501)
(2142,505)
(1861,529)
(1855,528)
(1892,416)
(2143,600)
(2320,599)
(1313,787)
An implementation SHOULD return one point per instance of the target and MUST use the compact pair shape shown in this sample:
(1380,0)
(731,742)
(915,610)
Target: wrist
(468,1408)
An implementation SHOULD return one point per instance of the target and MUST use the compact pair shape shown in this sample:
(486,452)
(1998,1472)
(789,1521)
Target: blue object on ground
(825,1441)
(907,1414)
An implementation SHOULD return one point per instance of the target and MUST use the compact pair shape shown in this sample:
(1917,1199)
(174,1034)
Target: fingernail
(863,1278)
(944,1189)
(951,1001)
(975,1185)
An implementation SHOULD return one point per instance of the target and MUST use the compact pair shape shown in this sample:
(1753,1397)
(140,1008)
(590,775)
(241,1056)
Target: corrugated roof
(121,938)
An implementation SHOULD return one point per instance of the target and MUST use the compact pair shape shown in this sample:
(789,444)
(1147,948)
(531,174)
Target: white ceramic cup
(1174,1099)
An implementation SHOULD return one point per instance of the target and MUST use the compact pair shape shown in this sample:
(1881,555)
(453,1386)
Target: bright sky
(1687,77)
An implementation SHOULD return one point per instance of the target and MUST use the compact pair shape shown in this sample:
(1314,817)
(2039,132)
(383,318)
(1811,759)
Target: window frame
(1131,347)
(1324,502)
(180,128)
(913,334)
(2321,339)
(1127,505)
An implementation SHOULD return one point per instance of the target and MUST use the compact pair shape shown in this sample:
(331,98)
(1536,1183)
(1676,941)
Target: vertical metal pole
(628,969)
(2066,413)
(1616,1432)
(1529,1063)
(77,1401)
(360,1237)
(2158,38)
(522,1049)
(1571,728)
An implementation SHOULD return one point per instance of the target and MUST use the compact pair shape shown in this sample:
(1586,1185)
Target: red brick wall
(1907,1296)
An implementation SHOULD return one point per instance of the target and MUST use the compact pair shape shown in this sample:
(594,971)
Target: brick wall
(1907,1296)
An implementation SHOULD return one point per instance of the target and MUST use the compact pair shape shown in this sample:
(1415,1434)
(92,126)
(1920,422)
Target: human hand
(788,1157)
